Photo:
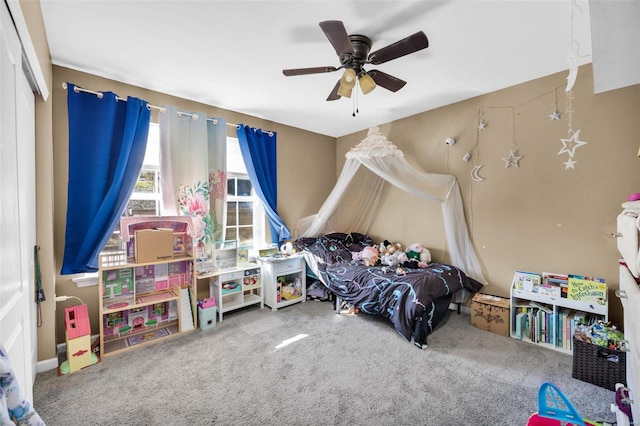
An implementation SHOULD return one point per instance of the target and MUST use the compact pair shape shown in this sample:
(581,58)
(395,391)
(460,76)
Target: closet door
(17,207)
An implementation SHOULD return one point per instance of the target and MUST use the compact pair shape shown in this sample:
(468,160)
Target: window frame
(258,219)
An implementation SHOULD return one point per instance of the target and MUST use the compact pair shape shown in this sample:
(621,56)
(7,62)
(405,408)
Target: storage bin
(207,318)
(599,365)
(490,313)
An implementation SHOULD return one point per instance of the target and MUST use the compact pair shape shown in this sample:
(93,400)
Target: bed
(414,300)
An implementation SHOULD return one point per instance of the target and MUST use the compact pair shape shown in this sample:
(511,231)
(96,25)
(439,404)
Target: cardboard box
(153,245)
(490,313)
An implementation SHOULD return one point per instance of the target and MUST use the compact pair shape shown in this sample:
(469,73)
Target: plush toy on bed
(389,253)
(389,248)
(370,255)
(418,256)
(390,259)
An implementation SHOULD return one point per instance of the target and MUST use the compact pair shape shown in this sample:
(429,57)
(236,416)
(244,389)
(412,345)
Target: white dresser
(629,294)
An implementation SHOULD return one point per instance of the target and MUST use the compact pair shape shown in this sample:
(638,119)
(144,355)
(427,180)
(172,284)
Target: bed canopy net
(352,204)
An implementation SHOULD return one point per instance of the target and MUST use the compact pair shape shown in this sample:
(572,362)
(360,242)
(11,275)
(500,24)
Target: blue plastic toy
(555,409)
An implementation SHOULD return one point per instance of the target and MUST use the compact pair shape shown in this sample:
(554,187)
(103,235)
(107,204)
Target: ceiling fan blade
(387,81)
(303,71)
(413,43)
(337,35)
(333,96)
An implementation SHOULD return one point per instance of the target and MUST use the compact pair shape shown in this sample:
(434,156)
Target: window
(146,195)
(245,214)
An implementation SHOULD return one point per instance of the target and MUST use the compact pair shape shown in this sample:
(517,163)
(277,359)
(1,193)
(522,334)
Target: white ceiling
(230,54)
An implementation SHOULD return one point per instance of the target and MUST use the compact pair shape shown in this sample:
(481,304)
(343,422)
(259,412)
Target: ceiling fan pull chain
(354,101)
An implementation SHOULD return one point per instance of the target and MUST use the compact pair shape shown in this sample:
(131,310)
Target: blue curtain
(107,143)
(259,153)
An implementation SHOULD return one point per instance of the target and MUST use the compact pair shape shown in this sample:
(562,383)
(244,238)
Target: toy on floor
(555,409)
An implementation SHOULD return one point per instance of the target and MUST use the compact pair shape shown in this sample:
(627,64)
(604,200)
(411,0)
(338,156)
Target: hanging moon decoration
(474,174)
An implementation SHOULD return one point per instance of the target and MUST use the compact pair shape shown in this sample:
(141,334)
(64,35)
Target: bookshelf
(546,307)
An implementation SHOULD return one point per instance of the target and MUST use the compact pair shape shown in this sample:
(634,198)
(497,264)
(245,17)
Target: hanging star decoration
(512,159)
(555,115)
(569,145)
(482,125)
(570,164)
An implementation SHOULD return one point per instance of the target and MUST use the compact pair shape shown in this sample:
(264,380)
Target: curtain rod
(100,95)
(161,109)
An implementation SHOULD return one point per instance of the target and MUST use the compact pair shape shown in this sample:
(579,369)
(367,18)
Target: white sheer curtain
(387,163)
(217,148)
(184,171)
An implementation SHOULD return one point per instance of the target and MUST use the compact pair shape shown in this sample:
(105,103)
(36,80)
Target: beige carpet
(305,365)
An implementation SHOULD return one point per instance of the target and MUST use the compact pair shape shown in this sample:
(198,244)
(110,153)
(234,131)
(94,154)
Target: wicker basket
(599,365)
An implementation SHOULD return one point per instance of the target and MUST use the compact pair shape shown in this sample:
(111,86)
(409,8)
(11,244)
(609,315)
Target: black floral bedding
(414,300)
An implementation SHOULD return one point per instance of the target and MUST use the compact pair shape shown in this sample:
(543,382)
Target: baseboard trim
(47,365)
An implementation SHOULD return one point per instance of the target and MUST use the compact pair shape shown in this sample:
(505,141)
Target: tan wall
(44,182)
(539,216)
(298,150)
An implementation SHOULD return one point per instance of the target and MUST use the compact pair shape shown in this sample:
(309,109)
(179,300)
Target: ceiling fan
(353,51)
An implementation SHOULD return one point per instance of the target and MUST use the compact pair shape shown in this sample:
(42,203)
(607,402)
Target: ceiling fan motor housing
(361,47)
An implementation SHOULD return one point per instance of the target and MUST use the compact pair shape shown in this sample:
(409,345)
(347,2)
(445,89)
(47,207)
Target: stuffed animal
(414,250)
(411,264)
(389,259)
(356,255)
(287,249)
(425,255)
(394,248)
(370,255)
(417,247)
(382,247)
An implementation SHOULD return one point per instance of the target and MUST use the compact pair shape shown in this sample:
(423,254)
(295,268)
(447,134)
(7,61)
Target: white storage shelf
(236,288)
(556,338)
(284,281)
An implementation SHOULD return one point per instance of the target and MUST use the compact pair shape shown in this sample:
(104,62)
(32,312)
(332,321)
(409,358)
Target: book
(554,278)
(544,308)
(521,324)
(526,281)
(586,289)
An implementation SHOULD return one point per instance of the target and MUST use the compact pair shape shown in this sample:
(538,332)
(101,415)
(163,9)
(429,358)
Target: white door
(17,207)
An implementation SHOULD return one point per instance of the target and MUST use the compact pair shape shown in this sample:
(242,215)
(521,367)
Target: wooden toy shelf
(115,344)
(144,299)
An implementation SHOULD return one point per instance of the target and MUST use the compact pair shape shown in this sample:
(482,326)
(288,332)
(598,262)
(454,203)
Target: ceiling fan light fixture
(345,92)
(348,79)
(366,83)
